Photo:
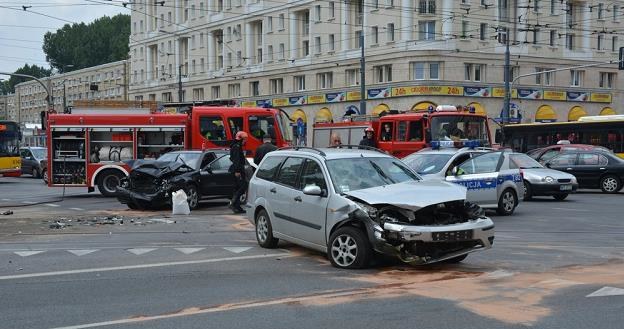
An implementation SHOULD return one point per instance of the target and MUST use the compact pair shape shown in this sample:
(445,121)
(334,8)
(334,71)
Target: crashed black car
(201,174)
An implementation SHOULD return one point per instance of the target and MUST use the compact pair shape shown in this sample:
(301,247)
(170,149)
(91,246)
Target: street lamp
(362,63)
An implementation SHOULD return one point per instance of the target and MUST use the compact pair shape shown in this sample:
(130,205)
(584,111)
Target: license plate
(452,236)
(565,188)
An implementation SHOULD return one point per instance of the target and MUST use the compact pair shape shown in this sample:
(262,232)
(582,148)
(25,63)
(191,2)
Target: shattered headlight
(367,209)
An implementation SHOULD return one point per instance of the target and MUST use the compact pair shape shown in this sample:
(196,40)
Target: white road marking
(237,250)
(6,199)
(77,209)
(188,251)
(572,209)
(141,266)
(28,202)
(82,252)
(52,205)
(141,251)
(607,291)
(29,252)
(499,274)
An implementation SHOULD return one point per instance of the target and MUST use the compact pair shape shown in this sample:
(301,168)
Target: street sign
(621,59)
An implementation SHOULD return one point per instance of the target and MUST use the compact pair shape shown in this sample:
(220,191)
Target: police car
(492,181)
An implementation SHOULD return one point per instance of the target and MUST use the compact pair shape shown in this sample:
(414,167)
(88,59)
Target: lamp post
(506,103)
(362,63)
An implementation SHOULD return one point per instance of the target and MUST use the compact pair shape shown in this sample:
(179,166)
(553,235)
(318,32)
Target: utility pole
(180,83)
(506,103)
(362,64)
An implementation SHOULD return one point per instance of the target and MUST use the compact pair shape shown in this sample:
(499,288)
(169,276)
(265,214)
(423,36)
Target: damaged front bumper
(142,199)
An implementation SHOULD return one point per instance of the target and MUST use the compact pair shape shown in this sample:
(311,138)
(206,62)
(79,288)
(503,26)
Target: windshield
(40,153)
(353,174)
(282,121)
(460,127)
(427,163)
(190,159)
(9,140)
(524,161)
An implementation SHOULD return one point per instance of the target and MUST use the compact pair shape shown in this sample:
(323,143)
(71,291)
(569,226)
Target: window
(280,22)
(269,53)
(237,32)
(276,86)
(562,160)
(616,11)
(269,167)
(288,173)
(305,49)
(420,71)
(536,33)
(215,92)
(282,52)
(591,159)
(317,13)
(352,77)
(374,35)
(234,90)
(317,45)
(166,97)
(383,73)
(358,39)
(576,78)
(332,10)
(614,43)
(607,80)
(402,131)
(601,11)
(552,37)
(212,128)
(389,3)
(434,71)
(600,42)
(483,27)
(254,88)
(269,24)
(553,6)
(545,79)
(536,6)
(570,41)
(299,82)
(464,29)
(324,80)
(474,72)
(330,43)
(239,58)
(202,65)
(486,163)
(415,132)
(390,32)
(312,174)
(426,30)
(426,7)
(261,126)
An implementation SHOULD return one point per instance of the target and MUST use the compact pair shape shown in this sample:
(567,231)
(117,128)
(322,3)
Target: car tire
(44,176)
(349,248)
(560,197)
(192,196)
(35,173)
(108,182)
(528,191)
(264,231)
(610,184)
(507,202)
(456,260)
(132,205)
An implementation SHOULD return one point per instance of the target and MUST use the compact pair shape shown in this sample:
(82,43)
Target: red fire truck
(401,134)
(89,149)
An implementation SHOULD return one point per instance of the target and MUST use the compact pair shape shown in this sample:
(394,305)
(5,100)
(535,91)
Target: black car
(33,160)
(201,174)
(593,169)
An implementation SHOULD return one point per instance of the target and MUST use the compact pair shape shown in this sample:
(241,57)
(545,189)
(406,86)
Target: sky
(21,32)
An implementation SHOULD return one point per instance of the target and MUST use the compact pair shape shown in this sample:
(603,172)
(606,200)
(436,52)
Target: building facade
(106,81)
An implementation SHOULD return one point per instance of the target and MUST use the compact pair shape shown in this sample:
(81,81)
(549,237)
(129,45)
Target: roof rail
(362,147)
(297,148)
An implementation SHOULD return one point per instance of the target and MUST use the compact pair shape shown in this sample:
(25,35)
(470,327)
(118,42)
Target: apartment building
(106,81)
(304,56)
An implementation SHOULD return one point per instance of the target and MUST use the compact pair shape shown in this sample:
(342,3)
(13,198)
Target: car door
(564,162)
(480,176)
(27,161)
(310,211)
(590,168)
(216,178)
(281,195)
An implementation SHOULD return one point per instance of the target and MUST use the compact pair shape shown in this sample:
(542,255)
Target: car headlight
(370,211)
(548,179)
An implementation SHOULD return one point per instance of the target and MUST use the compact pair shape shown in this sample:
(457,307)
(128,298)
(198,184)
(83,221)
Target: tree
(79,46)
(34,70)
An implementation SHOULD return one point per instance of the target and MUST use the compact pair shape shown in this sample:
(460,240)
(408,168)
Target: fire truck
(401,134)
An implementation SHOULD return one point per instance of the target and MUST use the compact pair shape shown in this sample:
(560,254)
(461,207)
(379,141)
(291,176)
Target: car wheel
(456,260)
(108,182)
(132,205)
(610,184)
(35,173)
(560,197)
(528,192)
(264,231)
(349,248)
(507,202)
(192,196)
(45,176)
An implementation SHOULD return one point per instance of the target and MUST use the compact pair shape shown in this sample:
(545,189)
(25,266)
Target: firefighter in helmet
(369,137)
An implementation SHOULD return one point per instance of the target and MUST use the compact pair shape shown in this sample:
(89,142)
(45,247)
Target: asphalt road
(553,265)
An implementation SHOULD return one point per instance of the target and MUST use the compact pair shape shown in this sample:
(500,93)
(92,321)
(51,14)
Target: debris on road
(115,220)
(8,212)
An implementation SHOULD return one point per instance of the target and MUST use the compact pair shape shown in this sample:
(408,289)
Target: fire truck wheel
(108,180)
(44,175)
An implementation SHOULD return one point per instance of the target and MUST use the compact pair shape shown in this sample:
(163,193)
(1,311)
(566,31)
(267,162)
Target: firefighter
(369,137)
(237,156)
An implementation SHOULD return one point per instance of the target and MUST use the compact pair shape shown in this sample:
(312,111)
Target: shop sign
(297,100)
(500,92)
(554,95)
(428,90)
(248,104)
(601,97)
(578,96)
(336,97)
(353,96)
(477,91)
(529,93)
(316,99)
(278,102)
(378,93)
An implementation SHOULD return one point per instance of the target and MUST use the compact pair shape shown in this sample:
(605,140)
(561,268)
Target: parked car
(539,180)
(33,160)
(349,202)
(492,181)
(543,154)
(592,169)
(201,174)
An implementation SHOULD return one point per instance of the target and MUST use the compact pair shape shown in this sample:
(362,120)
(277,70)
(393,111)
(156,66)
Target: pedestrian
(237,156)
(334,140)
(369,137)
(263,149)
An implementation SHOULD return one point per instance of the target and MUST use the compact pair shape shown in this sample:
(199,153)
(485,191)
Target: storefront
(576,112)
(545,113)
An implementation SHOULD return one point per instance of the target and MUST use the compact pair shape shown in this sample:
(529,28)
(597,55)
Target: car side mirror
(313,190)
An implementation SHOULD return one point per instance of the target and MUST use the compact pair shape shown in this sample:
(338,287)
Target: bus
(605,130)
(10,161)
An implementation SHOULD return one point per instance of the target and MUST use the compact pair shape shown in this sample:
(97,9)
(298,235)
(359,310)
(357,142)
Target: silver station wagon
(350,201)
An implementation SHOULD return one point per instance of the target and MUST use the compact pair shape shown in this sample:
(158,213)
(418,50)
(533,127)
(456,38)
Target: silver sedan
(539,180)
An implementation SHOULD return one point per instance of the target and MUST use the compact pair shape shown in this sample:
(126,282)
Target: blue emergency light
(436,145)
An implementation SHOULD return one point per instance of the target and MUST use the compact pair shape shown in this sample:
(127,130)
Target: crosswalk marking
(28,202)
(77,209)
(237,250)
(82,252)
(6,199)
(607,291)
(28,253)
(141,251)
(188,251)
(52,205)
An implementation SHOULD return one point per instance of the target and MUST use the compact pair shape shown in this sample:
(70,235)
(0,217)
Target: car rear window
(269,167)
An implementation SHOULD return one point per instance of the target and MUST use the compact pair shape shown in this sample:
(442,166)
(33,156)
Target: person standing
(334,140)
(263,149)
(369,137)
(237,156)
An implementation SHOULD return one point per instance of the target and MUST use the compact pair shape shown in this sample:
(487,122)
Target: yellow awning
(377,110)
(324,115)
(299,114)
(422,106)
(479,109)
(575,113)
(545,113)
(607,111)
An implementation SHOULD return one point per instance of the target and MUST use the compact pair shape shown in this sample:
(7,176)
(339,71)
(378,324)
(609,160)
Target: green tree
(34,70)
(79,46)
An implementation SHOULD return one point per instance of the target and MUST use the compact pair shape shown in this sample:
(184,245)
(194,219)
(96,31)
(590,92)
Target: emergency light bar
(455,144)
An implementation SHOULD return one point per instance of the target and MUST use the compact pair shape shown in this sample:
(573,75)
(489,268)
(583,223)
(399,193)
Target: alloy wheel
(344,250)
(508,201)
(609,184)
(262,228)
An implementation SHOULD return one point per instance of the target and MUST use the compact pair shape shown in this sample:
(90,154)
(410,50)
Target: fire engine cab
(401,134)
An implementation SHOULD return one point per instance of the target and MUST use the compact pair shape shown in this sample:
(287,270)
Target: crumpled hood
(412,195)
(156,169)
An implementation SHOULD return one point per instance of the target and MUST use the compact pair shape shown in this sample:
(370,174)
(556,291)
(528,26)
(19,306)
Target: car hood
(411,195)
(158,169)
(539,173)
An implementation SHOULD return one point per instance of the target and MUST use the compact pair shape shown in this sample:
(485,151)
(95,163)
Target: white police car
(492,181)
